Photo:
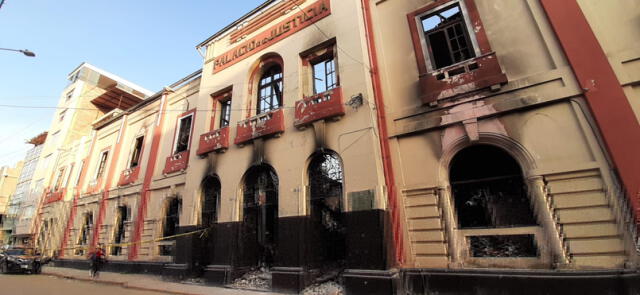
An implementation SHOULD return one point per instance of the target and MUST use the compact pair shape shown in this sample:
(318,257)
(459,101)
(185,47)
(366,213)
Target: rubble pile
(255,280)
(326,288)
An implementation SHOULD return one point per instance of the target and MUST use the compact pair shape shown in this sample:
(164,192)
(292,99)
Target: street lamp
(24,51)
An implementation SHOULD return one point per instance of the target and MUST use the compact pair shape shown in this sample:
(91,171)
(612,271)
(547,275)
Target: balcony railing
(319,107)
(270,123)
(475,74)
(54,196)
(217,140)
(176,162)
(129,176)
(94,186)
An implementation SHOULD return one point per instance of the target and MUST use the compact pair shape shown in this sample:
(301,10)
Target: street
(19,284)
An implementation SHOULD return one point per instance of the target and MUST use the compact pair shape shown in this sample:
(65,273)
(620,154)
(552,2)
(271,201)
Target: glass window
(225,113)
(270,90)
(102,164)
(324,75)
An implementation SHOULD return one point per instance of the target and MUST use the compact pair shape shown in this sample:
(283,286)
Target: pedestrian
(96,258)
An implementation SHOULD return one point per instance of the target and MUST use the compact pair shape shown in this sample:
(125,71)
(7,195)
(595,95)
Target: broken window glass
(446,36)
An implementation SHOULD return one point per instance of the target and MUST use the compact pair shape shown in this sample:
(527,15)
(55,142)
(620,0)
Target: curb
(116,283)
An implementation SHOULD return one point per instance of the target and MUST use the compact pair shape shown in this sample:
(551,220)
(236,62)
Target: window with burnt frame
(270,89)
(137,150)
(119,235)
(102,164)
(225,112)
(446,36)
(324,75)
(184,134)
(59,179)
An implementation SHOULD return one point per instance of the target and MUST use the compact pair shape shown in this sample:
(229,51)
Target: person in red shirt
(97,258)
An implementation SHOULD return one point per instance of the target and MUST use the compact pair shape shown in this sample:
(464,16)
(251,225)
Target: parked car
(20,259)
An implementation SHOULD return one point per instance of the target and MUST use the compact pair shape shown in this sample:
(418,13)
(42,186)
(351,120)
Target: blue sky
(150,43)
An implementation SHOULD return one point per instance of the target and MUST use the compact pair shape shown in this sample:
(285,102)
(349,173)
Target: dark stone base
(175,272)
(217,275)
(290,280)
(505,282)
(370,282)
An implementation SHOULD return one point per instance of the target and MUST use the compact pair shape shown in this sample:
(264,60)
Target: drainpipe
(382,127)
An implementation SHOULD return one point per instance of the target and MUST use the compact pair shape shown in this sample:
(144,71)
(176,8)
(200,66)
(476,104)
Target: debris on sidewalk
(254,280)
(326,288)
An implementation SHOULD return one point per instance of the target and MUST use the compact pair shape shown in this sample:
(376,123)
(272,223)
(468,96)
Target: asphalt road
(18,284)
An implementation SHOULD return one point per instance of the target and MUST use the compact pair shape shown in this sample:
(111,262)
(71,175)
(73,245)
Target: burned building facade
(390,145)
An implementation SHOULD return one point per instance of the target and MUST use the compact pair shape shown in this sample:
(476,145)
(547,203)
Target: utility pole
(1,2)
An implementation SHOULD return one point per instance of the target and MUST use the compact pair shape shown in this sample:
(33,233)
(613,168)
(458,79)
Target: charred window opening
(503,246)
(489,193)
(137,150)
(328,230)
(171,224)
(225,112)
(184,134)
(270,89)
(211,196)
(446,36)
(488,189)
(85,233)
(324,75)
(118,236)
(59,179)
(102,164)
(260,219)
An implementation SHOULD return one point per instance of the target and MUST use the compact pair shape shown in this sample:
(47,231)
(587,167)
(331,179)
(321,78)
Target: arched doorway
(492,205)
(260,216)
(327,230)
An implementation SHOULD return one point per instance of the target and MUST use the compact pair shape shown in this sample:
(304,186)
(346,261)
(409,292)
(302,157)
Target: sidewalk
(144,282)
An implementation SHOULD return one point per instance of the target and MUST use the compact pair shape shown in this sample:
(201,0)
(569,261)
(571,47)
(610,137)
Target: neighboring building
(8,182)
(92,94)
(25,199)
(413,146)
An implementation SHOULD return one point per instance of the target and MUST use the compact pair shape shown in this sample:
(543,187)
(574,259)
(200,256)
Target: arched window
(270,89)
(210,199)
(325,188)
(489,193)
